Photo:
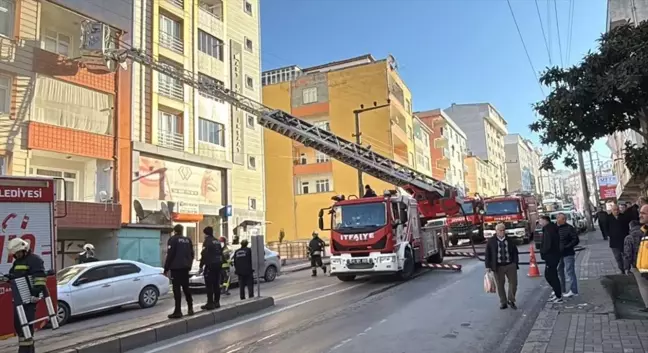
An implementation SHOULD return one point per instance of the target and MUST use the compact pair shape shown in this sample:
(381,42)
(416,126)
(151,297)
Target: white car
(271,269)
(103,285)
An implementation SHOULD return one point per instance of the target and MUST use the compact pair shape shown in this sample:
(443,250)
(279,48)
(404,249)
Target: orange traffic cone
(533,265)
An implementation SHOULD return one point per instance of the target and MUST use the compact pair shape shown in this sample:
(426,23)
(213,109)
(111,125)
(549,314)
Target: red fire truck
(518,212)
(467,224)
(27,210)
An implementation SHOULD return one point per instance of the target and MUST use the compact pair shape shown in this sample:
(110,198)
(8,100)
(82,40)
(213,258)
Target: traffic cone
(533,264)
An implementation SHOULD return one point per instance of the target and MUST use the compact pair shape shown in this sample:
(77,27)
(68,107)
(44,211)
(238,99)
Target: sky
(448,51)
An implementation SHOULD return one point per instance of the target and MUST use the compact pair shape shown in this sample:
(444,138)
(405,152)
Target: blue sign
(227,210)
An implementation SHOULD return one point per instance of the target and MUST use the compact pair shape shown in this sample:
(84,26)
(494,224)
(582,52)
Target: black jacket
(602,221)
(632,213)
(550,245)
(30,265)
(316,244)
(370,193)
(243,261)
(85,258)
(617,229)
(212,253)
(180,253)
(568,239)
(492,249)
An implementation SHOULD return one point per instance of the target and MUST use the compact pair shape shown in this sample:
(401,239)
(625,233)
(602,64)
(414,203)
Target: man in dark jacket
(316,247)
(502,259)
(179,259)
(211,260)
(244,271)
(550,253)
(631,250)
(567,266)
(602,216)
(369,191)
(618,227)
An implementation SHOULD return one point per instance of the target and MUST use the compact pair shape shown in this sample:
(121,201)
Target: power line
(558,29)
(570,30)
(526,51)
(543,32)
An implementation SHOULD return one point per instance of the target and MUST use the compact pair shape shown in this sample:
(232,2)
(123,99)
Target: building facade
(519,164)
(536,161)
(304,180)
(422,138)
(448,148)
(485,129)
(480,177)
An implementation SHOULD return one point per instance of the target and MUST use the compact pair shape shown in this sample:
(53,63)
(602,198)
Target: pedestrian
(225,267)
(369,191)
(179,259)
(631,250)
(632,212)
(502,258)
(618,227)
(211,260)
(567,266)
(550,253)
(602,222)
(244,270)
(27,264)
(315,247)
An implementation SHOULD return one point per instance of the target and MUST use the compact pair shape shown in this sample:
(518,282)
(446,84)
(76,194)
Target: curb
(148,335)
(305,266)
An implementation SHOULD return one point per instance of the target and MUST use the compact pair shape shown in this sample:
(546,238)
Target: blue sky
(460,51)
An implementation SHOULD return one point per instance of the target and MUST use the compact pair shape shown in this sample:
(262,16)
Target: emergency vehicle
(518,212)
(468,223)
(27,210)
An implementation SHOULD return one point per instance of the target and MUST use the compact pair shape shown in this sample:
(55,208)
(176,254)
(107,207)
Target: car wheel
(148,297)
(63,313)
(270,274)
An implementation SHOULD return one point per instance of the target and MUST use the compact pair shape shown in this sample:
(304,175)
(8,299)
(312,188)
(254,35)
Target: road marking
(308,291)
(341,344)
(234,350)
(269,336)
(251,319)
(367,329)
(382,321)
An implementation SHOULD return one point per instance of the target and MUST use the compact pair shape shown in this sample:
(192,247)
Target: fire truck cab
(518,213)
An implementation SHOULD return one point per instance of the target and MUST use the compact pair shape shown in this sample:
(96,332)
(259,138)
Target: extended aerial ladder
(436,199)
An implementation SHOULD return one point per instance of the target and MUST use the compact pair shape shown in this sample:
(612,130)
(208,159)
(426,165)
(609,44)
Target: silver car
(271,269)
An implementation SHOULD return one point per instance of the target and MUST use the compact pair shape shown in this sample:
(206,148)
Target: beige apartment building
(422,138)
(520,171)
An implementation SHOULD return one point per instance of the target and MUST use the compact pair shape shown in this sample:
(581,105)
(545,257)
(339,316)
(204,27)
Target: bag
(489,283)
(642,256)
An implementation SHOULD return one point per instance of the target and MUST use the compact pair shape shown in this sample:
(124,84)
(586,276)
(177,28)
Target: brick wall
(59,139)
(84,215)
(62,68)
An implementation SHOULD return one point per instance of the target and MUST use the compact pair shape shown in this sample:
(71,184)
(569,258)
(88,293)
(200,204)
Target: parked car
(103,285)
(271,269)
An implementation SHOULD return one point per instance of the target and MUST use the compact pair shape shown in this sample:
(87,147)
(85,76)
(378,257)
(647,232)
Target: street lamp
(358,134)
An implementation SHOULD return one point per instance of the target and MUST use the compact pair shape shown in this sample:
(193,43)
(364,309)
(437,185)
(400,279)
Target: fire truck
(518,212)
(402,237)
(27,210)
(468,223)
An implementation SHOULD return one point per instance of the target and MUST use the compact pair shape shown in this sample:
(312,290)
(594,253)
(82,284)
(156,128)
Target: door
(93,290)
(127,282)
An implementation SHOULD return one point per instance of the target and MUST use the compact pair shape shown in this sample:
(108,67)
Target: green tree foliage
(606,92)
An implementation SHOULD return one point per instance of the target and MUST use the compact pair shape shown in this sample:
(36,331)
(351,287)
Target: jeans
(618,257)
(567,268)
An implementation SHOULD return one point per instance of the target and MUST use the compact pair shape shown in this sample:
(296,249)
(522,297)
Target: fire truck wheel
(438,257)
(409,267)
(346,278)
(148,297)
(63,313)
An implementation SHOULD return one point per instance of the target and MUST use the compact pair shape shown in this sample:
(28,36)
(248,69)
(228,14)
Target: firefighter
(225,267)
(369,191)
(315,248)
(27,264)
(211,261)
(244,271)
(88,254)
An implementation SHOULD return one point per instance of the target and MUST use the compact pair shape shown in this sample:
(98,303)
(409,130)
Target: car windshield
(65,275)
(366,215)
(467,208)
(496,208)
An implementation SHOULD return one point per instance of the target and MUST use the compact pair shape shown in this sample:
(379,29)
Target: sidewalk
(588,323)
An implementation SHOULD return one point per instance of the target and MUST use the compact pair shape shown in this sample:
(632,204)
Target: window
(170,130)
(322,185)
(211,132)
(171,34)
(247,7)
(309,95)
(251,121)
(252,162)
(303,159)
(324,125)
(249,82)
(5,94)
(305,187)
(125,269)
(210,82)
(210,45)
(252,204)
(6,17)
(67,185)
(96,274)
(249,46)
(57,42)
(321,157)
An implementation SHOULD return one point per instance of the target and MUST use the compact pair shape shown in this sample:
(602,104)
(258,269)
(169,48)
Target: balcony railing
(171,90)
(178,3)
(170,139)
(171,42)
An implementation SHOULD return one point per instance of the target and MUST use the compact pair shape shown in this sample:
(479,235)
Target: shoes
(324,269)
(512,305)
(570,294)
(190,310)
(175,315)
(552,297)
(209,306)
(556,300)
(503,306)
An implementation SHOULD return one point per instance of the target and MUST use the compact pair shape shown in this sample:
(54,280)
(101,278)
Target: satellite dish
(164,209)
(103,196)
(139,210)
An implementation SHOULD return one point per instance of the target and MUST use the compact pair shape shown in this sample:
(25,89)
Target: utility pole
(583,177)
(358,135)
(594,183)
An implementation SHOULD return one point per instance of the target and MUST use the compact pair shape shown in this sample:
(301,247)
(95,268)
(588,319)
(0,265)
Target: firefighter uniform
(315,248)
(27,264)
(225,267)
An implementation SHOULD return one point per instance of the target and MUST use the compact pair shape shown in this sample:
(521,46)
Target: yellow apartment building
(300,180)
(480,177)
(422,135)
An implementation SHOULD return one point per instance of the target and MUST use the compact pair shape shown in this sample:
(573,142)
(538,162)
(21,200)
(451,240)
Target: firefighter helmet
(88,247)
(16,244)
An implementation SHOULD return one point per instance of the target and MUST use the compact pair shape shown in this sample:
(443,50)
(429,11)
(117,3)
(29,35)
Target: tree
(606,92)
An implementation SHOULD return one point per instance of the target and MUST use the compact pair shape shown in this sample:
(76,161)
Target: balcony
(177,3)
(89,215)
(400,135)
(169,139)
(444,161)
(441,142)
(313,168)
(171,42)
(169,88)
(212,7)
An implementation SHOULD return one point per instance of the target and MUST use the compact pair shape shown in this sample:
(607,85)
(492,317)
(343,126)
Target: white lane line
(269,336)
(341,344)
(248,320)
(234,350)
(382,321)
(367,329)
(284,297)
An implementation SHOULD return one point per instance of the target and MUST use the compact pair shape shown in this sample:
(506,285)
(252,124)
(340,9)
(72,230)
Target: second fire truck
(518,212)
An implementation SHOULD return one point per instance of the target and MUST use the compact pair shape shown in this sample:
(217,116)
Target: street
(439,311)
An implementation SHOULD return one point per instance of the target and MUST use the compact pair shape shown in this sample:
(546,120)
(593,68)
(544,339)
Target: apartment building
(448,148)
(485,129)
(479,177)
(191,152)
(519,163)
(422,138)
(304,180)
(536,162)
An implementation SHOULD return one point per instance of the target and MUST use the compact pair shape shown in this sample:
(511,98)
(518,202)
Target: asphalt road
(439,311)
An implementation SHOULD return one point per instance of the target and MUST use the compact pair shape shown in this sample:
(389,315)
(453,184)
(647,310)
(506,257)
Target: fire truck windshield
(365,215)
(467,207)
(497,208)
